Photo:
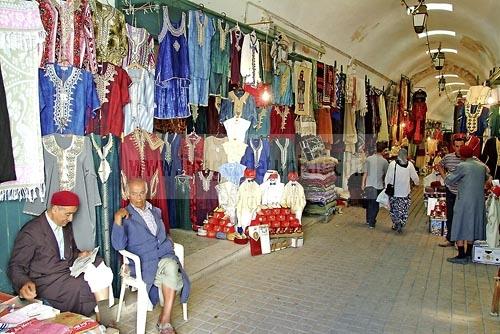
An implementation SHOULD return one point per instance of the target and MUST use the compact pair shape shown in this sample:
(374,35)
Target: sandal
(166,329)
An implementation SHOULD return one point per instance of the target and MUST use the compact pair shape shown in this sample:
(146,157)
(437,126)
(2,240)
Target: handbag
(389,188)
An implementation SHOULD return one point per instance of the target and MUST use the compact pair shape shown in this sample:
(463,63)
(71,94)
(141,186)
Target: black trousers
(450,203)
(372,206)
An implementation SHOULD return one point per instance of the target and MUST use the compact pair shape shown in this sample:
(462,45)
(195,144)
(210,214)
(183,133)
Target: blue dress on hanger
(172,70)
(257,157)
(172,166)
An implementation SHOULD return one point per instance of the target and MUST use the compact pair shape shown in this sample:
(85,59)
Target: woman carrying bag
(399,174)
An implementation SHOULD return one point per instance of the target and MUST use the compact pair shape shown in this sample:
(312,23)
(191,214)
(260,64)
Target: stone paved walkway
(346,279)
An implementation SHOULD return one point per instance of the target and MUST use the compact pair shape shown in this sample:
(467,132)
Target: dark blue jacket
(134,236)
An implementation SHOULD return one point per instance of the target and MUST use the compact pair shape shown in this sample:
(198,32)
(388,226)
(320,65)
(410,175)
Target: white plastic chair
(143,302)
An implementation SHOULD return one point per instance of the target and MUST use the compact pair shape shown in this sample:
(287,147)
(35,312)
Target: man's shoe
(458,260)
(446,244)
(371,226)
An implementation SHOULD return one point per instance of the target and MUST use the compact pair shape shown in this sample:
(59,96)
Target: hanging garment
(324,125)
(266,61)
(69,165)
(493,221)
(172,166)
(282,85)
(232,172)
(283,157)
(302,72)
(241,105)
(237,128)
(383,135)
(112,83)
(219,69)
(325,85)
(140,111)
(234,150)
(7,167)
(227,194)
(140,157)
(494,121)
(69,33)
(214,154)
(338,113)
(172,70)
(249,198)
(21,37)
(257,157)
(294,198)
(360,130)
(192,153)
(350,135)
(476,119)
(68,97)
(272,191)
(205,195)
(110,33)
(201,30)
(182,199)
(107,167)
(419,111)
(250,59)
(491,156)
(262,127)
(235,55)
(261,94)
(214,125)
(140,48)
(282,122)
(197,122)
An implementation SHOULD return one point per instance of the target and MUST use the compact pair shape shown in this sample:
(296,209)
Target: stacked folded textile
(318,179)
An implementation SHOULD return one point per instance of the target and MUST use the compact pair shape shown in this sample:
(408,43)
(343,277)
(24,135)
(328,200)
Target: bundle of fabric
(318,179)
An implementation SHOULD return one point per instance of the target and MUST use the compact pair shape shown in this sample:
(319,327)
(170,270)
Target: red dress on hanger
(205,198)
(141,158)
(192,153)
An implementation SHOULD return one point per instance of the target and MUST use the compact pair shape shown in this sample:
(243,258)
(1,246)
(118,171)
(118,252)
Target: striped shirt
(450,163)
(147,216)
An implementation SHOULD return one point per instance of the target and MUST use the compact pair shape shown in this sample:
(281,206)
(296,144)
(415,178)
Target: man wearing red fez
(469,212)
(44,251)
(139,229)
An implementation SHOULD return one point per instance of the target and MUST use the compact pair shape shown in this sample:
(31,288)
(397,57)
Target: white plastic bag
(383,200)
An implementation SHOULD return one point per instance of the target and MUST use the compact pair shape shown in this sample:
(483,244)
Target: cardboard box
(482,253)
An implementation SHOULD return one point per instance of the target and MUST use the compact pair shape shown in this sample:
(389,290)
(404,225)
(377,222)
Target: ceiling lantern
(442,83)
(438,59)
(420,18)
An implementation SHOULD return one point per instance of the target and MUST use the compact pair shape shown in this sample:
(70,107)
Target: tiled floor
(345,279)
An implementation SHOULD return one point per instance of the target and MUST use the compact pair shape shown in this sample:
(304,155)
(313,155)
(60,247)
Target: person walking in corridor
(373,182)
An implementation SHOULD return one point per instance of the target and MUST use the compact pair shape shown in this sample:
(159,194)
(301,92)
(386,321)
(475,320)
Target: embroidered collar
(201,26)
(205,180)
(103,81)
(238,102)
(176,32)
(222,34)
(104,167)
(168,147)
(191,145)
(257,151)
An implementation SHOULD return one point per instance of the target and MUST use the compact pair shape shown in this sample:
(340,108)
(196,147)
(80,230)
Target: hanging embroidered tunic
(69,165)
(282,85)
(139,112)
(237,128)
(302,88)
(262,127)
(141,48)
(282,122)
(112,84)
(21,37)
(257,157)
(250,59)
(67,97)
(110,34)
(201,30)
(232,172)
(69,33)
(141,158)
(172,166)
(192,153)
(219,69)
(283,157)
(234,150)
(107,167)
(172,70)
(235,55)
(214,124)
(213,153)
(205,195)
(182,202)
(240,104)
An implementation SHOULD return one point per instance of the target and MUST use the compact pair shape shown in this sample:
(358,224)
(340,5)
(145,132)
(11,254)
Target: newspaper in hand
(82,262)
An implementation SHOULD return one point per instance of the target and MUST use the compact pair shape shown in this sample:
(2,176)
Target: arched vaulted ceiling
(379,33)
